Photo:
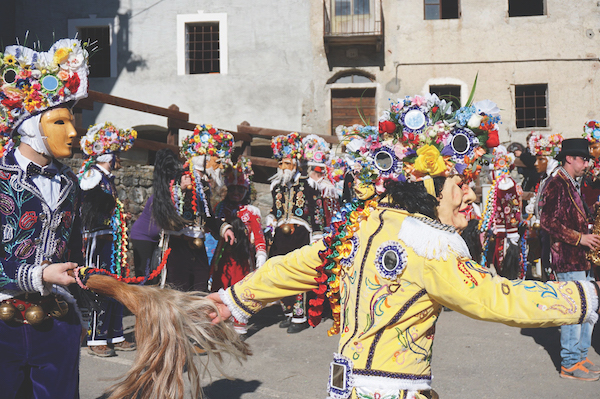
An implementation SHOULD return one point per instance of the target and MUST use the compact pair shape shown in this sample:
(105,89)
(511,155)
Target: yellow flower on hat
(430,161)
(61,54)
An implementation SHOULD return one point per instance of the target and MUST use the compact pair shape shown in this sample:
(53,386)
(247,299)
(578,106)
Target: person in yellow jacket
(396,257)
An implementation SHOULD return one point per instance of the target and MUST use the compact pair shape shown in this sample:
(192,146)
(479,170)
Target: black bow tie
(33,169)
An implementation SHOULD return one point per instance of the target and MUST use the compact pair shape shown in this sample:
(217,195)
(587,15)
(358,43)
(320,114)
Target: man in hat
(40,329)
(104,223)
(565,217)
(295,219)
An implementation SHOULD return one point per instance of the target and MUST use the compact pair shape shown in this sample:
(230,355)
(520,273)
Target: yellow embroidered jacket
(400,271)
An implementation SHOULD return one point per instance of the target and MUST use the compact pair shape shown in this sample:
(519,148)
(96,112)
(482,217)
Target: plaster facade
(277,69)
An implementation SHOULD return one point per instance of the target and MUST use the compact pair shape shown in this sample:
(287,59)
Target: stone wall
(134,186)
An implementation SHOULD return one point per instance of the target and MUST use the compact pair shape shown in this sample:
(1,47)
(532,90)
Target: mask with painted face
(58,132)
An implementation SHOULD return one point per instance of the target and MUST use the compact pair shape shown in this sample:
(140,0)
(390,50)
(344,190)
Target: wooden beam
(177,124)
(258,161)
(265,132)
(96,96)
(154,145)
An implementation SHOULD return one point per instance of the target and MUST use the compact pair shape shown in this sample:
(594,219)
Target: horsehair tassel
(172,326)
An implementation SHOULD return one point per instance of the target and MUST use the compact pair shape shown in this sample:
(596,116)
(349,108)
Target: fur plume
(169,324)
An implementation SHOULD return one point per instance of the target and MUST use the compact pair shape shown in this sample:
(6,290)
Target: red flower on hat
(73,83)
(12,104)
(387,127)
(493,140)
(212,130)
(591,124)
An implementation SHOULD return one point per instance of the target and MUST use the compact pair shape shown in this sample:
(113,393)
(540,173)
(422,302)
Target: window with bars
(202,48)
(98,37)
(448,93)
(442,9)
(531,105)
(525,8)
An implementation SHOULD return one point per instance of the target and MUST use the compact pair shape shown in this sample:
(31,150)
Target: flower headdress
(239,174)
(32,82)
(540,144)
(420,137)
(336,169)
(206,140)
(591,131)
(106,138)
(503,160)
(289,146)
(316,150)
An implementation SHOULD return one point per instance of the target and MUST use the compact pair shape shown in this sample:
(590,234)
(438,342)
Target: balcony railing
(348,22)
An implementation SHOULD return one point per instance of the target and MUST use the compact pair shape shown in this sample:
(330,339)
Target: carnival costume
(296,218)
(104,228)
(502,219)
(318,156)
(590,185)
(565,218)
(187,266)
(40,324)
(387,273)
(545,148)
(228,270)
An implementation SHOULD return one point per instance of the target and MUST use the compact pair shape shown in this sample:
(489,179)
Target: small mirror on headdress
(460,143)
(414,119)
(10,76)
(49,83)
(384,161)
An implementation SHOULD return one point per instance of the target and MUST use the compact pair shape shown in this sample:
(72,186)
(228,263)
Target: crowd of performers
(372,235)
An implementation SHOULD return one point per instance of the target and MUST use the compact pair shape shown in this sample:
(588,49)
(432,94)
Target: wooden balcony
(352,22)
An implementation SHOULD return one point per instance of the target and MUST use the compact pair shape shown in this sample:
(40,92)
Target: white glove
(261,258)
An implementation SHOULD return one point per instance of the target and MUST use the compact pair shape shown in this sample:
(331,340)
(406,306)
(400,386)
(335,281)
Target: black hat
(574,147)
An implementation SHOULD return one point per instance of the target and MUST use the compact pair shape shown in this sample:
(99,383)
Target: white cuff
(592,297)
(236,312)
(224,228)
(261,258)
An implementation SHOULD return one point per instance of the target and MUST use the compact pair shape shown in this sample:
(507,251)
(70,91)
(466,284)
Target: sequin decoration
(390,260)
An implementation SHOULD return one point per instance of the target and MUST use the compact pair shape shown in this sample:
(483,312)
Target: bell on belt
(536,225)
(286,228)
(189,187)
(198,242)
(7,311)
(35,315)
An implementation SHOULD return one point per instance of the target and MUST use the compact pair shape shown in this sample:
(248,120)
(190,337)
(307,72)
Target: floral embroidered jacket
(564,216)
(399,272)
(300,204)
(33,233)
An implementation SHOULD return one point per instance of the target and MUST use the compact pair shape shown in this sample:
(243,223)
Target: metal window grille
(100,58)
(203,48)
(531,105)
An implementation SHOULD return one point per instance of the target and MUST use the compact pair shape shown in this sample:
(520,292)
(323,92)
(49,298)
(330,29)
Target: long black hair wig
(166,168)
(413,197)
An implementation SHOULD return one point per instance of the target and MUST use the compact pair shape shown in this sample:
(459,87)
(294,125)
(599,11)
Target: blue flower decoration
(390,260)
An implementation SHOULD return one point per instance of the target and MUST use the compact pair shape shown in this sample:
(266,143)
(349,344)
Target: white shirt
(50,188)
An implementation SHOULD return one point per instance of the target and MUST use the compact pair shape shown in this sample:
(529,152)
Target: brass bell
(198,242)
(286,229)
(7,311)
(35,315)
(189,187)
(536,225)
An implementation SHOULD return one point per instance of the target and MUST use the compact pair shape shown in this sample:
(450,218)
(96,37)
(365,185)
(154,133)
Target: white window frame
(93,22)
(201,16)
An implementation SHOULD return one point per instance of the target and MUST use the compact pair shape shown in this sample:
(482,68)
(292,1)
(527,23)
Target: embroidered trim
(362,269)
(394,320)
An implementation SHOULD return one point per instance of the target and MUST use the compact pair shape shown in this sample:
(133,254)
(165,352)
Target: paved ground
(471,360)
